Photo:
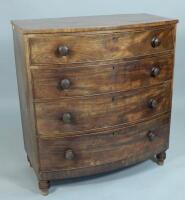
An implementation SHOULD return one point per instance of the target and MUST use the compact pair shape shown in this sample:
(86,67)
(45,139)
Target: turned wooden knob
(63,50)
(151,136)
(65,84)
(67,118)
(152,103)
(69,154)
(155,71)
(155,42)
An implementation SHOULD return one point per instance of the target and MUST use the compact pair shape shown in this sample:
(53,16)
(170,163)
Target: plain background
(143,181)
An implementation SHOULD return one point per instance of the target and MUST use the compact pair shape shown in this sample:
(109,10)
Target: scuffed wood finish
(125,144)
(95,92)
(101,111)
(90,80)
(92,23)
(97,47)
(26,105)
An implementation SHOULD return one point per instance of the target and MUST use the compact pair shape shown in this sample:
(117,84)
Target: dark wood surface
(101,111)
(26,101)
(123,144)
(95,92)
(103,22)
(97,47)
(91,80)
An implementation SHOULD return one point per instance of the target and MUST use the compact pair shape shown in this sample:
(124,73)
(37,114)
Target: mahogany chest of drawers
(95,92)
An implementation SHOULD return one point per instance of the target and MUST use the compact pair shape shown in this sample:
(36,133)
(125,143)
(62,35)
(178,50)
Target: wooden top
(90,23)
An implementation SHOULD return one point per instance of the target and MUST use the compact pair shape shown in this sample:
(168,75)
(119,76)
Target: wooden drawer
(79,48)
(127,145)
(67,116)
(56,83)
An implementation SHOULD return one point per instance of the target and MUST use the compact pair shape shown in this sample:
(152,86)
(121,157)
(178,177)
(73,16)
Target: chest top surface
(90,23)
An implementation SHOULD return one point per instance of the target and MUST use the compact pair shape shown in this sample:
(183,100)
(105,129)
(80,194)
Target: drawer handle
(151,136)
(63,50)
(65,84)
(69,154)
(155,42)
(152,103)
(155,71)
(67,118)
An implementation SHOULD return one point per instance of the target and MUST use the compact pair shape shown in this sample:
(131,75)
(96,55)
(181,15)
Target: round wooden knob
(65,83)
(67,118)
(155,71)
(155,42)
(63,50)
(69,154)
(152,103)
(151,136)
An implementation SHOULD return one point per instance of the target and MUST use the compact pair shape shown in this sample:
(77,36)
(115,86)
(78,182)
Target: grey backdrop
(144,181)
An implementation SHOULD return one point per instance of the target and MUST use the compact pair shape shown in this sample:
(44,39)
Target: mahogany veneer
(95,92)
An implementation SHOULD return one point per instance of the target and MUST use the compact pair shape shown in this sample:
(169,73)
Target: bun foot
(160,158)
(44,187)
(44,192)
(29,161)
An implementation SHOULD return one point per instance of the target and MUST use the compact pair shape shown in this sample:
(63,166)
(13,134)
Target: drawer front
(80,81)
(129,145)
(79,48)
(67,116)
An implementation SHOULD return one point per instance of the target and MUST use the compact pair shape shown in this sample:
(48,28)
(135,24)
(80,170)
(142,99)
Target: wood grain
(97,47)
(91,23)
(26,101)
(91,80)
(101,111)
(104,120)
(102,148)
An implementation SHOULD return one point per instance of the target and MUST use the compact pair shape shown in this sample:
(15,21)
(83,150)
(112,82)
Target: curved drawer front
(127,145)
(80,81)
(78,48)
(69,115)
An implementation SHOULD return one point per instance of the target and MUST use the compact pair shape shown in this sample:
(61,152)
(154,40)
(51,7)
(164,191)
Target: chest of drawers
(95,92)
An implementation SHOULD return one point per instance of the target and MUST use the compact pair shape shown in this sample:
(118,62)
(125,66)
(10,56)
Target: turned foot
(44,186)
(160,158)
(29,161)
